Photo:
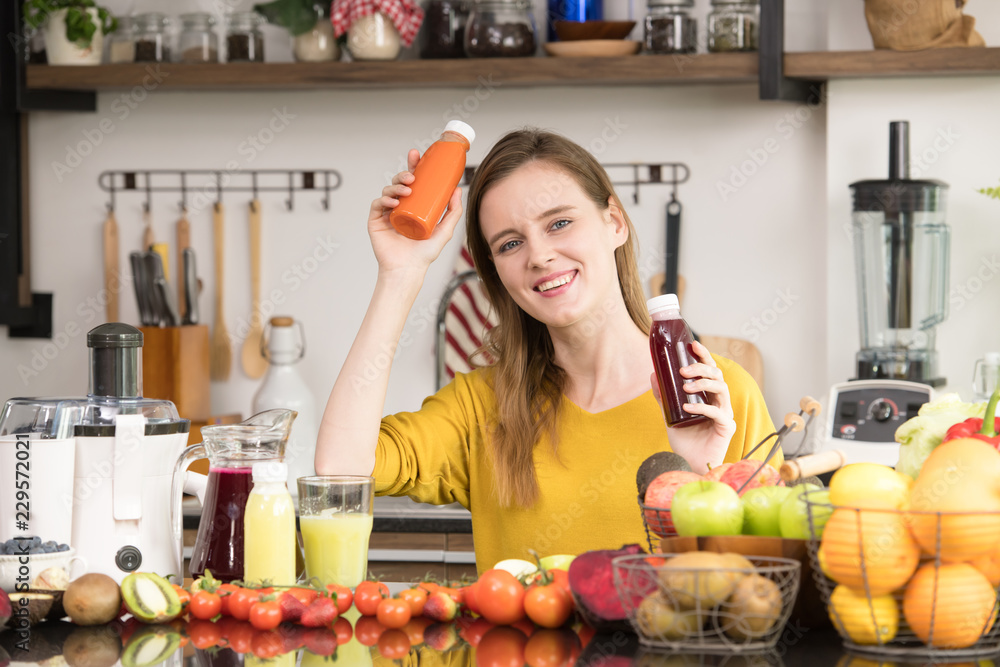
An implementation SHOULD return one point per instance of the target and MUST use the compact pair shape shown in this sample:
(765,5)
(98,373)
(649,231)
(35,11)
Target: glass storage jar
(373,37)
(198,42)
(442,34)
(318,43)
(121,43)
(732,25)
(151,39)
(500,28)
(244,41)
(670,28)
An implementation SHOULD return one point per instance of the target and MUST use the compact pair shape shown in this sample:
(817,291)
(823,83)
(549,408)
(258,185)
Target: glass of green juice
(335,517)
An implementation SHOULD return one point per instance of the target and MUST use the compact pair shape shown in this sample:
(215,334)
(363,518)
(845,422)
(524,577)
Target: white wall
(763,262)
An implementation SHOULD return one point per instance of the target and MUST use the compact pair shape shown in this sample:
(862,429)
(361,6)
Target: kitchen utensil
(163,250)
(254,363)
(901,250)
(140,283)
(183,242)
(154,271)
(231,450)
(593,48)
(170,316)
(592,30)
(190,284)
(112,270)
(222,352)
(147,234)
(670,282)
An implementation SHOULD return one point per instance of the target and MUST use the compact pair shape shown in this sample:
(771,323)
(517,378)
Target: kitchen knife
(154,271)
(183,242)
(190,287)
(170,318)
(141,291)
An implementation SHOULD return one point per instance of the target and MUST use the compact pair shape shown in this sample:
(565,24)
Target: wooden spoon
(183,241)
(112,272)
(254,363)
(220,358)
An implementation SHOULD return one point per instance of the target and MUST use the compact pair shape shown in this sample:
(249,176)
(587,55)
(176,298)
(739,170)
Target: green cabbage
(918,436)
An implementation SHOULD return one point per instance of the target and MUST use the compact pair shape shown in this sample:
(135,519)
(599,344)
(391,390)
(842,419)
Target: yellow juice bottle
(269,527)
(336,546)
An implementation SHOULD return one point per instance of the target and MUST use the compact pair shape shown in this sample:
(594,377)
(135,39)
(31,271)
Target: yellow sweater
(588,498)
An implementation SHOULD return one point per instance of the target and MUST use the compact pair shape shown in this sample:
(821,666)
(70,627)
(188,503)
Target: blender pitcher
(231,451)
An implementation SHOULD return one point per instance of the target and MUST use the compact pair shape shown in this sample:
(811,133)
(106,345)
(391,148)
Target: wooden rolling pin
(812,464)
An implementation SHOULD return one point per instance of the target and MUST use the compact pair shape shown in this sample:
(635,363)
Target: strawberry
(441,636)
(293,637)
(320,614)
(440,607)
(320,641)
(291,608)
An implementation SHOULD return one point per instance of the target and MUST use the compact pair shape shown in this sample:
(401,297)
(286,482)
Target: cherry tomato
(416,598)
(367,630)
(501,647)
(344,597)
(429,586)
(303,595)
(454,593)
(225,593)
(205,605)
(474,633)
(183,595)
(343,629)
(393,644)
(415,629)
(204,634)
(501,597)
(550,648)
(265,615)
(241,601)
(548,605)
(469,596)
(267,644)
(367,596)
(561,578)
(241,637)
(393,613)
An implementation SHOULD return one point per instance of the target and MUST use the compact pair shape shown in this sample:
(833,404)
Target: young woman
(543,445)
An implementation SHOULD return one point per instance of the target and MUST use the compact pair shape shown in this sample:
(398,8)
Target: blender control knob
(128,558)
(881,411)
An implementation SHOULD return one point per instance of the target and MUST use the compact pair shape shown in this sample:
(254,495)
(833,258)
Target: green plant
(993,193)
(80,25)
(296,16)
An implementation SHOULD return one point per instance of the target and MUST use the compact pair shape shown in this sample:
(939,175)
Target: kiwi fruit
(150,646)
(656,465)
(150,598)
(92,646)
(92,599)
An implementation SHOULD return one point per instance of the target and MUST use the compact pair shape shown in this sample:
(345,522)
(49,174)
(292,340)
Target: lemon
(852,615)
(870,486)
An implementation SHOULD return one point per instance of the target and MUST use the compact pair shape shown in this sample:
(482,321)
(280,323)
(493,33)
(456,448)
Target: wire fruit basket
(908,583)
(742,605)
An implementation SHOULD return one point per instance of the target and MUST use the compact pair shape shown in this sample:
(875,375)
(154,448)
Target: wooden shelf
(515,72)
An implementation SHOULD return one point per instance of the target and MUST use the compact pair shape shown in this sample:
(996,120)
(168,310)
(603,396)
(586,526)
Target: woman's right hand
(393,250)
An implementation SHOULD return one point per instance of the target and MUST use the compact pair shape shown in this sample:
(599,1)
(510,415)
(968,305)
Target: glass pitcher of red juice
(231,450)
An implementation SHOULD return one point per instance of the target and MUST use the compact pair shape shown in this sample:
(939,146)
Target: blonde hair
(525,378)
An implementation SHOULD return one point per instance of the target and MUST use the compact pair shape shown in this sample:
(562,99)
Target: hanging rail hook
(326,191)
(253,175)
(148,206)
(184,196)
(111,204)
(291,189)
(218,188)
(635,184)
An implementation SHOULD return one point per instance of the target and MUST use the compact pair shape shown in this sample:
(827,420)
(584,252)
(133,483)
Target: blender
(901,245)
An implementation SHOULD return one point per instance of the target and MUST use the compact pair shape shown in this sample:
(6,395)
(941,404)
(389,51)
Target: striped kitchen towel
(466,321)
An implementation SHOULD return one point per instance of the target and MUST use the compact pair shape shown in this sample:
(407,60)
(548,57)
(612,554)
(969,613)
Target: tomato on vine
(393,613)
(368,595)
(205,605)
(265,615)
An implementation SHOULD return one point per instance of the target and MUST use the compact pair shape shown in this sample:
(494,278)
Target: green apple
(519,568)
(707,508)
(794,517)
(557,562)
(762,510)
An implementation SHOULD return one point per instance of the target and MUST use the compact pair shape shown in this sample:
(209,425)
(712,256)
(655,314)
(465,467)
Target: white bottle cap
(663,302)
(270,471)
(462,128)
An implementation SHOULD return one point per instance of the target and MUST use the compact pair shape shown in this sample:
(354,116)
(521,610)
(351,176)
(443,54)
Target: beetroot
(592,581)
(5,609)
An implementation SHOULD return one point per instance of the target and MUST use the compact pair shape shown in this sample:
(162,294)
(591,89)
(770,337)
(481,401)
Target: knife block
(175,368)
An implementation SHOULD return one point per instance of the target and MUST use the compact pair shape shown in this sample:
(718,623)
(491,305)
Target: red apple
(715,474)
(749,469)
(660,494)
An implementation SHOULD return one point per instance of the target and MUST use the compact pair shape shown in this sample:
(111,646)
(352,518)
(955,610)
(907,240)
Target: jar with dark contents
(732,25)
(442,34)
(670,28)
(500,29)
(198,42)
(151,39)
(244,40)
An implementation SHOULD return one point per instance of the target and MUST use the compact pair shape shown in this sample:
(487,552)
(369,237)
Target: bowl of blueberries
(24,559)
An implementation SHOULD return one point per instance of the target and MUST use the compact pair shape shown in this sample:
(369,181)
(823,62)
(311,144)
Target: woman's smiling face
(553,247)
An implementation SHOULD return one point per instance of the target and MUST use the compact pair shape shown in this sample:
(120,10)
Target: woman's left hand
(703,444)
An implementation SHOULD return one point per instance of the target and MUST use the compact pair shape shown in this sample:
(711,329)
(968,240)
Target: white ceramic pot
(61,51)
(317,45)
(373,37)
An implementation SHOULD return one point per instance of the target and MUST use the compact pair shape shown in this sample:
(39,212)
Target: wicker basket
(894,585)
(699,609)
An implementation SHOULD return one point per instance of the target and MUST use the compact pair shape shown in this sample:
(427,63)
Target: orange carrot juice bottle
(435,178)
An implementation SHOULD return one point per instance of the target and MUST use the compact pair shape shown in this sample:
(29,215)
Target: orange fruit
(956,598)
(989,565)
(864,621)
(868,547)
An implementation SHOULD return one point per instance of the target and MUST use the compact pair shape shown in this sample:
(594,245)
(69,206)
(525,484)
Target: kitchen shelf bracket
(773,84)
(215,182)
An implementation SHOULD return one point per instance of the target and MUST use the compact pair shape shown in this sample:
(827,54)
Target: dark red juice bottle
(219,544)
(670,342)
